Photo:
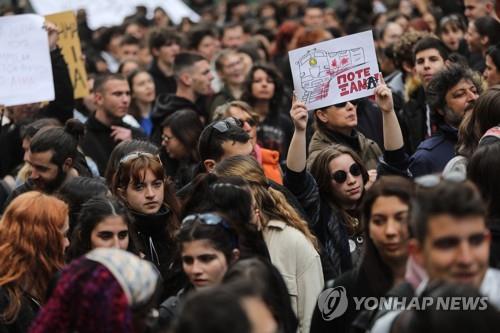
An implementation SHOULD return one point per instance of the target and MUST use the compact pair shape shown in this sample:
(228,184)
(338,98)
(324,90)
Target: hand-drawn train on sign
(319,67)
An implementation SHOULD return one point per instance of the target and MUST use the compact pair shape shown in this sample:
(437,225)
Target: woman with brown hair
(32,243)
(141,184)
(292,246)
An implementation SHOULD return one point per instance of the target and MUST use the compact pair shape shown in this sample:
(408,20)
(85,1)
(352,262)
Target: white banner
(25,67)
(335,71)
(101,13)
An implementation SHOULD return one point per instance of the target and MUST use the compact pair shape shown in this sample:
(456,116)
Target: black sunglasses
(353,102)
(340,176)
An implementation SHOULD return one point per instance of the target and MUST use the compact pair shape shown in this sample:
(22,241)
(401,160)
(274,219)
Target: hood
(166,104)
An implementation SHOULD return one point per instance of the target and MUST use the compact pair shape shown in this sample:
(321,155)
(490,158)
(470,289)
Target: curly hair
(270,201)
(31,247)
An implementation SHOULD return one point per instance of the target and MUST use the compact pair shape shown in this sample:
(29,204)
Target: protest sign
(335,71)
(69,42)
(25,67)
(104,13)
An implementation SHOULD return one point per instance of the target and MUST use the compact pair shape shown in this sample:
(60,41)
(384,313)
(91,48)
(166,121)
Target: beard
(54,184)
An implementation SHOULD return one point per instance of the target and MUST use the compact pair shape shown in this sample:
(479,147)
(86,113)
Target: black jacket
(167,104)
(163,84)
(328,225)
(159,248)
(27,313)
(412,119)
(98,143)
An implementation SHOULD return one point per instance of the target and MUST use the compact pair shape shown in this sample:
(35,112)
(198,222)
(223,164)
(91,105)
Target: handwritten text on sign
(25,67)
(69,42)
(335,71)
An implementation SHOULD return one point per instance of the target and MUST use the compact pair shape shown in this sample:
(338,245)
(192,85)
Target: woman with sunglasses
(336,124)
(385,229)
(140,183)
(330,194)
(267,158)
(208,245)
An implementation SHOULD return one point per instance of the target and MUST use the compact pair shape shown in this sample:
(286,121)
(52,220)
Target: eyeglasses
(340,176)
(353,102)
(165,137)
(250,121)
(213,220)
(138,154)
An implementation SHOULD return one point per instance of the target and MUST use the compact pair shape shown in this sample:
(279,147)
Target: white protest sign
(25,67)
(335,71)
(112,12)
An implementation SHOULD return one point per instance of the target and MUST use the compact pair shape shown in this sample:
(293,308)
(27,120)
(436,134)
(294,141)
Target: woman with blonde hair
(32,243)
(292,246)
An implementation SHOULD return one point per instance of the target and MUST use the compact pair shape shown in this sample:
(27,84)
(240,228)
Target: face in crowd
(346,179)
(111,232)
(455,249)
(388,228)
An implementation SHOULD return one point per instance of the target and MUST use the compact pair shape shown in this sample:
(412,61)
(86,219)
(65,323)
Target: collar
(276,224)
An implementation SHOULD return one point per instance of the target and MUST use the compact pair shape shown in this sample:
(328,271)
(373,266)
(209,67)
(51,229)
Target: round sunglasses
(340,176)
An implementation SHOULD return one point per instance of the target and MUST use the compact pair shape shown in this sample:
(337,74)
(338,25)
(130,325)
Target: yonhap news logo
(333,303)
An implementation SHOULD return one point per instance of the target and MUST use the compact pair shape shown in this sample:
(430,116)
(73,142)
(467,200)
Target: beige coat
(299,264)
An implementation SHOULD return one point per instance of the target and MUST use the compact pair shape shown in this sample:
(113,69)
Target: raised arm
(393,137)
(296,159)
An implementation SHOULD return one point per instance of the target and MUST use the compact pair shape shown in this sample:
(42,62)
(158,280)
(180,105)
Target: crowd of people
(192,191)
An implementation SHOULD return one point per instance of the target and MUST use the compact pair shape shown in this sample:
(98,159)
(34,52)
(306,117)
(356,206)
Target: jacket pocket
(291,284)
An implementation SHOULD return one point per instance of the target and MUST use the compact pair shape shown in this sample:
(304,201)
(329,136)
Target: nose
(149,192)
(427,63)
(471,95)
(350,179)
(197,268)
(246,127)
(115,242)
(34,173)
(392,228)
(465,256)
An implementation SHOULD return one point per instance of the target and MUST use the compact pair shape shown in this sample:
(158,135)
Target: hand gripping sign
(335,71)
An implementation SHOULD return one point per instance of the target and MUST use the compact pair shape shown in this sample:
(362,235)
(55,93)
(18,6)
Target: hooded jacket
(165,105)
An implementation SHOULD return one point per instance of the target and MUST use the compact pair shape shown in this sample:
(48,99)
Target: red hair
(31,247)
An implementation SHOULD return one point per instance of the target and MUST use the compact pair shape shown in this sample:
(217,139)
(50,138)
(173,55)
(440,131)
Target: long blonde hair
(271,202)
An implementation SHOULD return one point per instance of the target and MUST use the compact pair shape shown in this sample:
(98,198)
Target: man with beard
(51,157)
(450,94)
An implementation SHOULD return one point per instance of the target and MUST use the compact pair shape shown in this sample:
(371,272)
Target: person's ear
(120,191)
(67,164)
(235,255)
(185,78)
(407,67)
(209,165)
(416,251)
(321,115)
(484,40)
(155,52)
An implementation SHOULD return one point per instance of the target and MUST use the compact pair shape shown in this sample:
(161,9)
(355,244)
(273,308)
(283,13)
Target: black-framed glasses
(354,102)
(213,220)
(340,176)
